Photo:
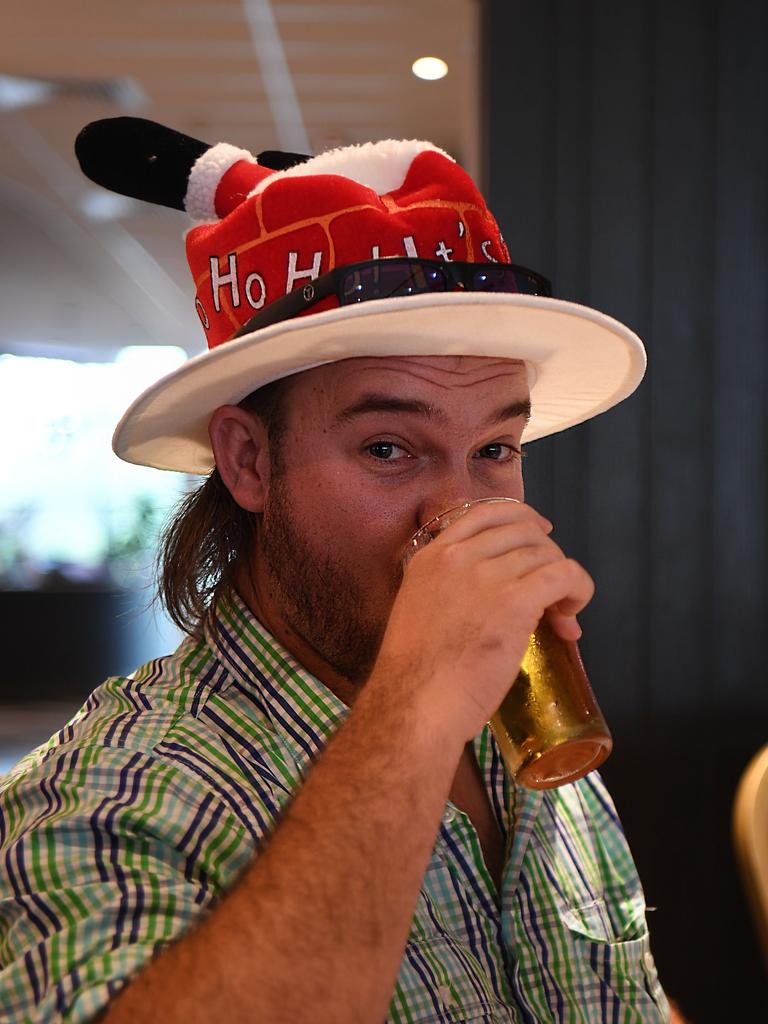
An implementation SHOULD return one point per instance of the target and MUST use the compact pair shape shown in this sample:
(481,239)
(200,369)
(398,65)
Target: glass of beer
(549,727)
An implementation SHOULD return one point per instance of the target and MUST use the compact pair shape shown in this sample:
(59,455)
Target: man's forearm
(316,928)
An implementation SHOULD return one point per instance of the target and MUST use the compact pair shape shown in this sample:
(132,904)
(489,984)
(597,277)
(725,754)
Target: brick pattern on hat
(297,227)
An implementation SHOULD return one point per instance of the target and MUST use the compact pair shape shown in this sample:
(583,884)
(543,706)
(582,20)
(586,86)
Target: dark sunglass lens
(430,279)
(391,278)
(494,278)
(528,284)
(354,289)
(486,280)
(501,278)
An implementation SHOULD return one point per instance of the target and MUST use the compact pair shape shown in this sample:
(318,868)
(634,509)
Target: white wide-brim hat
(581,362)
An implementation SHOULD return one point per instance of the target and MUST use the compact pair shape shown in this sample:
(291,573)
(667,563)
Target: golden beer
(549,727)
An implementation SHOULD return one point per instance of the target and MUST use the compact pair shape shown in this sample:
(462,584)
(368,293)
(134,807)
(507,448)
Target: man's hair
(209,537)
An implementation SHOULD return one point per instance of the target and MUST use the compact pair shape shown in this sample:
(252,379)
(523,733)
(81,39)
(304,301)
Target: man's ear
(241,451)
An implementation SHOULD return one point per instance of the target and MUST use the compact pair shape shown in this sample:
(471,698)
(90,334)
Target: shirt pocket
(582,978)
(619,977)
(609,948)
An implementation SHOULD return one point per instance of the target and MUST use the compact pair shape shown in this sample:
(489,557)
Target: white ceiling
(82,273)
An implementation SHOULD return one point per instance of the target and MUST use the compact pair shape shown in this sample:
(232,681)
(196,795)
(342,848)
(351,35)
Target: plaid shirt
(121,830)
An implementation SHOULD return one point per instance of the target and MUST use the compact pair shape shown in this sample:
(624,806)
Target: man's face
(374,448)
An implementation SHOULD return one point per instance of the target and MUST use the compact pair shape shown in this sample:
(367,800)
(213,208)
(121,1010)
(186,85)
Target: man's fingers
(507,539)
(511,547)
(563,586)
(488,514)
(566,626)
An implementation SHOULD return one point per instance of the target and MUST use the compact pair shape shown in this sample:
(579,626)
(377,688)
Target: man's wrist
(421,714)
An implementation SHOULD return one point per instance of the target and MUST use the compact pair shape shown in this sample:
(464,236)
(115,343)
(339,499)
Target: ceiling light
(18,91)
(99,205)
(430,68)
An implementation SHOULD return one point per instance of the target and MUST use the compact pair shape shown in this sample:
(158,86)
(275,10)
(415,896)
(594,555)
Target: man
(301,814)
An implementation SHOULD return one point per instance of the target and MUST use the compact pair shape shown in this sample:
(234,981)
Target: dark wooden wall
(627,159)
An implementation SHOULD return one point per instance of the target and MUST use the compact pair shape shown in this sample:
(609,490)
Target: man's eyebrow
(511,412)
(426,410)
(390,403)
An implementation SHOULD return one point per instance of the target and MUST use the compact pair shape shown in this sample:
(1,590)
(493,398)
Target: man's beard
(320,599)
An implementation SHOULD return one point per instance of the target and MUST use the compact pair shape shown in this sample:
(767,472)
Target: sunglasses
(384,279)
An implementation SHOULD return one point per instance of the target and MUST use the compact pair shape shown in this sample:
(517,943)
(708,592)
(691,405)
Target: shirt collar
(301,709)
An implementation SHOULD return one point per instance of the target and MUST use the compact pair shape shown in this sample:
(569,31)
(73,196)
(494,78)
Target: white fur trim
(381,166)
(204,178)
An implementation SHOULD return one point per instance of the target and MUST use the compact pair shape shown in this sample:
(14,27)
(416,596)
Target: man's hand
(468,604)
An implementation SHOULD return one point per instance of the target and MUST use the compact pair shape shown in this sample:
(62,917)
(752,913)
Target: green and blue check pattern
(131,822)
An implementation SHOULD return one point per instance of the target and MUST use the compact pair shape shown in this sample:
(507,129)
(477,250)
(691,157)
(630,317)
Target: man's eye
(499,452)
(386,451)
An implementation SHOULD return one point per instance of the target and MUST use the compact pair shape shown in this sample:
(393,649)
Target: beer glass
(549,727)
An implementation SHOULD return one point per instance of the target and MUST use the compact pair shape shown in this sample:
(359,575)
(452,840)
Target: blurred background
(624,150)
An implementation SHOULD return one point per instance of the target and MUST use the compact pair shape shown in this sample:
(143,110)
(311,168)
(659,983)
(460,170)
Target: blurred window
(71,512)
